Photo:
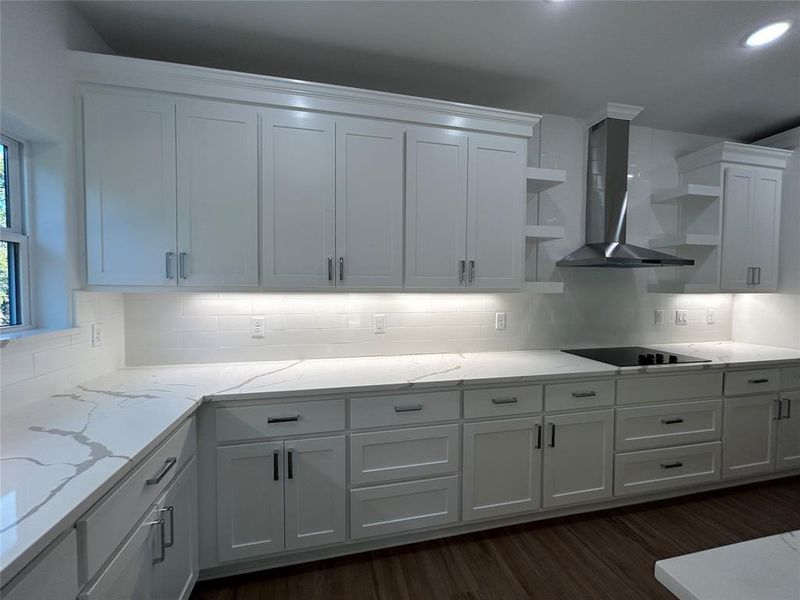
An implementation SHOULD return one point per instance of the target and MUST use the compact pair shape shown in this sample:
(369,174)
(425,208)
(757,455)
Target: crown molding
(614,110)
(733,152)
(119,71)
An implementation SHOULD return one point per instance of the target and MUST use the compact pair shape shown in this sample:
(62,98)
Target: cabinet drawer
(790,378)
(53,575)
(403,409)
(668,387)
(500,402)
(104,526)
(239,423)
(654,470)
(403,453)
(401,507)
(668,424)
(581,394)
(755,381)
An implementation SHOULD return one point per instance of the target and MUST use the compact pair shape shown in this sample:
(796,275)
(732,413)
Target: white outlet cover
(658,317)
(500,321)
(257,327)
(97,334)
(710,316)
(379,323)
(681,317)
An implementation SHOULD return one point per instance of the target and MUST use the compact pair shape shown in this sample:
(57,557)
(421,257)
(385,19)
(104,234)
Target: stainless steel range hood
(607,204)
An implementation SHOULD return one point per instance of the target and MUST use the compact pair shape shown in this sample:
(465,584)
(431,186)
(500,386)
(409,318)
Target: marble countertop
(60,455)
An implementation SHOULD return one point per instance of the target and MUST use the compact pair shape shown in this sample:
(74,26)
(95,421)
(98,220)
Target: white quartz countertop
(61,454)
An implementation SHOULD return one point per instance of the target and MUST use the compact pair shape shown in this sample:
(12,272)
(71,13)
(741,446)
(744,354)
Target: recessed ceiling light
(767,34)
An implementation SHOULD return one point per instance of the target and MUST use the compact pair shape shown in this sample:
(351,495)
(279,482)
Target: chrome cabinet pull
(168,266)
(780,408)
(762,380)
(330,268)
(163,540)
(275,469)
(168,464)
(289,419)
(552,435)
(512,400)
(341,268)
(757,273)
(749,275)
(462,271)
(182,265)
(171,511)
(410,408)
(672,421)
(788,408)
(538,436)
(290,464)
(586,394)
(472,271)
(673,465)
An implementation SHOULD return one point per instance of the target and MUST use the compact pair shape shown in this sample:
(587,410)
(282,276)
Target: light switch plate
(257,327)
(681,317)
(379,323)
(658,317)
(500,321)
(710,316)
(97,334)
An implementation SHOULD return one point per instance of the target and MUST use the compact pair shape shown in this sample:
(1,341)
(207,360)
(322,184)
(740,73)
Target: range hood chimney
(607,199)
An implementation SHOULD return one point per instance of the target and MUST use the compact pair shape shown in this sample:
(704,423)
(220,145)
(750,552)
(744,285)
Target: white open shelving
(684,239)
(544,232)
(540,180)
(688,192)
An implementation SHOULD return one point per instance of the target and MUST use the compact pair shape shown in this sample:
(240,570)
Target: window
(14,311)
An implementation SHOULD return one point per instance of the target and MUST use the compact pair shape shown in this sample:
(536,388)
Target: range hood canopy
(607,199)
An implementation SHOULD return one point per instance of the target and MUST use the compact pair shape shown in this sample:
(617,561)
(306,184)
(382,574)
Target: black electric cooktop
(631,356)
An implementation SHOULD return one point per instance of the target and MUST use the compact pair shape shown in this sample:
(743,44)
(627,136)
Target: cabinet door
(130,573)
(217,194)
(298,185)
(315,492)
(436,208)
(496,212)
(748,435)
(249,500)
(175,576)
(502,467)
(737,231)
(788,455)
(369,204)
(129,167)
(765,217)
(578,457)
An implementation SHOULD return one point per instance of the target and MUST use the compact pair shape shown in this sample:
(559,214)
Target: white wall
(37,103)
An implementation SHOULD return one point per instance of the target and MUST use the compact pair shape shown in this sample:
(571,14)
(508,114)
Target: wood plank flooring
(604,556)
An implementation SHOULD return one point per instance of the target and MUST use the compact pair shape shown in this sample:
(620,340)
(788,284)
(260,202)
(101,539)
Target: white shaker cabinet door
(217,194)
(748,435)
(369,204)
(496,212)
(502,467)
(436,209)
(315,492)
(788,454)
(737,231)
(765,218)
(249,500)
(298,185)
(578,457)
(129,178)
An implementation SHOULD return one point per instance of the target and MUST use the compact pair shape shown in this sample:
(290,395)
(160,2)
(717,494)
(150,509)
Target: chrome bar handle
(168,266)
(462,271)
(538,436)
(780,408)
(171,511)
(673,465)
(672,421)
(512,400)
(341,268)
(289,419)
(330,268)
(275,470)
(586,394)
(552,435)
(472,271)
(757,275)
(163,540)
(762,380)
(290,464)
(182,265)
(788,408)
(168,464)
(412,408)
(749,275)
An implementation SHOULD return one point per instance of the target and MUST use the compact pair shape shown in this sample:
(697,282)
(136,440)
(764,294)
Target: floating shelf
(540,180)
(685,239)
(677,287)
(544,287)
(688,192)
(544,232)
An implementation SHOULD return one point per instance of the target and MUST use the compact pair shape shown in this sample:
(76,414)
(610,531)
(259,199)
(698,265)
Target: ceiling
(682,61)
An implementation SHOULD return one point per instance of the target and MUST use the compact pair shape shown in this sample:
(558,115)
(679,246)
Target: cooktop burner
(631,356)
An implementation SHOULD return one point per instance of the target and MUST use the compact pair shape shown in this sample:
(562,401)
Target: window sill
(35,335)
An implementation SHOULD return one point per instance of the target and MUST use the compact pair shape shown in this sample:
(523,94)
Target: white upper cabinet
(129,175)
(436,209)
(217,194)
(495,211)
(298,166)
(369,204)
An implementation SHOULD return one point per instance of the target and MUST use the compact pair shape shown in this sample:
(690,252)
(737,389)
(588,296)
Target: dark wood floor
(607,555)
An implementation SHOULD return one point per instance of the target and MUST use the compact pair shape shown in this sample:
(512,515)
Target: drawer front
(402,507)
(239,423)
(668,424)
(53,575)
(501,402)
(403,453)
(102,529)
(579,395)
(654,470)
(790,378)
(755,381)
(660,388)
(403,409)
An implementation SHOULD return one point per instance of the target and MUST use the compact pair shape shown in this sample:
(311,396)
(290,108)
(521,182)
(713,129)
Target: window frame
(16,233)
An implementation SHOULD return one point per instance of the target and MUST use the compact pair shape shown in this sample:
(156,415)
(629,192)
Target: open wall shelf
(684,239)
(688,192)
(544,232)
(540,180)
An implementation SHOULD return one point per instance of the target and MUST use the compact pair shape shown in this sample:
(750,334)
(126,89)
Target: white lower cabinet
(273,496)
(666,468)
(788,453)
(53,575)
(748,435)
(578,457)
(502,467)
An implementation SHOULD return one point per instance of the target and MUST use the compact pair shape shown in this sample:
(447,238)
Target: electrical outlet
(500,321)
(710,316)
(379,323)
(658,317)
(257,327)
(681,317)
(97,335)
